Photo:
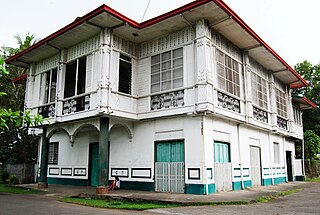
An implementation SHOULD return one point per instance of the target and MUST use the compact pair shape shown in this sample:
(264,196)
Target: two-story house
(192,101)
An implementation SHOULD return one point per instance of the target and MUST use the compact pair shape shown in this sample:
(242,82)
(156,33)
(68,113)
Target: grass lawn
(17,190)
(313,180)
(119,204)
(264,199)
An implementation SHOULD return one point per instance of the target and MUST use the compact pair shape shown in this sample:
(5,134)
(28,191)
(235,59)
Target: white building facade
(192,101)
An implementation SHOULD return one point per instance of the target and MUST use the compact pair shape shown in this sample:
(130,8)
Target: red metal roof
(150,22)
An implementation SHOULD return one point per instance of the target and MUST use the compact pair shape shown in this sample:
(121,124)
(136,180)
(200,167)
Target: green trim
(103,164)
(211,188)
(236,185)
(68,181)
(266,181)
(44,156)
(279,180)
(300,178)
(136,185)
(199,189)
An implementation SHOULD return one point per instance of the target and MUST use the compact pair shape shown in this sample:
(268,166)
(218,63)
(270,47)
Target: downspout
(204,152)
(270,166)
(240,158)
(303,167)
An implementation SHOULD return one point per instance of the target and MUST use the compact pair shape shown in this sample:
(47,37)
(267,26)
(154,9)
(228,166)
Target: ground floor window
(53,153)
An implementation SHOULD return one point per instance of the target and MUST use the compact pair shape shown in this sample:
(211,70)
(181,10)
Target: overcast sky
(290,27)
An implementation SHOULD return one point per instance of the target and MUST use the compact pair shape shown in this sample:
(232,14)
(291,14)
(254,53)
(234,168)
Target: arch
(52,130)
(129,130)
(86,126)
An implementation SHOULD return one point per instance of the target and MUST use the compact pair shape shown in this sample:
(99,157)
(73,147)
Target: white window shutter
(89,66)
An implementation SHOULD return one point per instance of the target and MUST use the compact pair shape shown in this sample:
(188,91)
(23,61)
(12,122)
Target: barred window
(167,70)
(53,153)
(281,103)
(259,91)
(228,74)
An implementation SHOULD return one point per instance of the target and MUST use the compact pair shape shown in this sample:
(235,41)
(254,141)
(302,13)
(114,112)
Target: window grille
(53,153)
(281,103)
(259,91)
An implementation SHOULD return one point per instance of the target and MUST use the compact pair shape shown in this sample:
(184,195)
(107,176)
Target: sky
(290,27)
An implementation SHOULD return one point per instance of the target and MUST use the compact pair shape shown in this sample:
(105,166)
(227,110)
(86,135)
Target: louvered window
(125,74)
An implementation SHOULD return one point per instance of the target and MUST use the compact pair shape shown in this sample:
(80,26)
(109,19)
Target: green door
(169,167)
(94,150)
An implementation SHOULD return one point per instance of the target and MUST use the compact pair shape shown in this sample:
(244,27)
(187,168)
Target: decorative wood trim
(66,171)
(54,171)
(194,173)
(120,172)
(133,175)
(79,172)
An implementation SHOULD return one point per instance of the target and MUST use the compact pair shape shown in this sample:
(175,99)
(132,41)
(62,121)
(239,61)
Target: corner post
(103,156)
(43,181)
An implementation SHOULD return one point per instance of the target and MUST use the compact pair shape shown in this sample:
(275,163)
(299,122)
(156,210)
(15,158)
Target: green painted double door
(169,167)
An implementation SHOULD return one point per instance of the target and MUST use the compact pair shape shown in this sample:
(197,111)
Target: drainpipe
(240,158)
(270,166)
(303,167)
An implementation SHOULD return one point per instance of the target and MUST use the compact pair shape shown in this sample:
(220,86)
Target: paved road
(15,204)
(303,202)
(306,201)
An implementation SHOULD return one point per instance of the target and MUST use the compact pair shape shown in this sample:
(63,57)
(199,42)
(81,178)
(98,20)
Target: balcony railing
(260,114)
(76,104)
(228,102)
(282,123)
(167,100)
(47,111)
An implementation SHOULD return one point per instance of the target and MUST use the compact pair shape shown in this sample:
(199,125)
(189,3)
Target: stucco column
(103,156)
(43,182)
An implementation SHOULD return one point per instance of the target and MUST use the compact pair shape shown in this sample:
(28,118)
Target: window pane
(166,56)
(166,76)
(155,68)
(70,79)
(177,62)
(155,59)
(177,83)
(155,88)
(166,85)
(177,73)
(178,53)
(46,77)
(220,56)
(81,75)
(155,78)
(166,65)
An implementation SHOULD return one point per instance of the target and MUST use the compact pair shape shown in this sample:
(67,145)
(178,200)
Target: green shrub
(4,176)
(13,180)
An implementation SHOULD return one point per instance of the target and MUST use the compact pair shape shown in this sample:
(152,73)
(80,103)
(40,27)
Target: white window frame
(259,89)
(297,114)
(281,101)
(53,153)
(231,82)
(157,69)
(44,92)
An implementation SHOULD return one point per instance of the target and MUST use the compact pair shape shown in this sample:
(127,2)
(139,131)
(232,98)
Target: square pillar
(43,181)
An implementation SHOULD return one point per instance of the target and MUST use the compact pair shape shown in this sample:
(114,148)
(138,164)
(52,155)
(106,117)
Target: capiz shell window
(167,71)
(228,73)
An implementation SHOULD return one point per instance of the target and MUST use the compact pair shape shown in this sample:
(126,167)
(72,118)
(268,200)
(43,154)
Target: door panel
(289,165)
(255,162)
(169,167)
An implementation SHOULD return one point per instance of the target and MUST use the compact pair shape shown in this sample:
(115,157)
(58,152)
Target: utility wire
(145,10)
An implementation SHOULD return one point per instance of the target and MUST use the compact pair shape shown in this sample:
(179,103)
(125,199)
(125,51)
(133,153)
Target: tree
(16,146)
(311,118)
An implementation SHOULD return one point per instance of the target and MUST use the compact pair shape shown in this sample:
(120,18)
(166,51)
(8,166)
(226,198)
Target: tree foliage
(16,146)
(311,117)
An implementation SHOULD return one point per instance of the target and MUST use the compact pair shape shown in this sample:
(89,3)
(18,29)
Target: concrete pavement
(250,194)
